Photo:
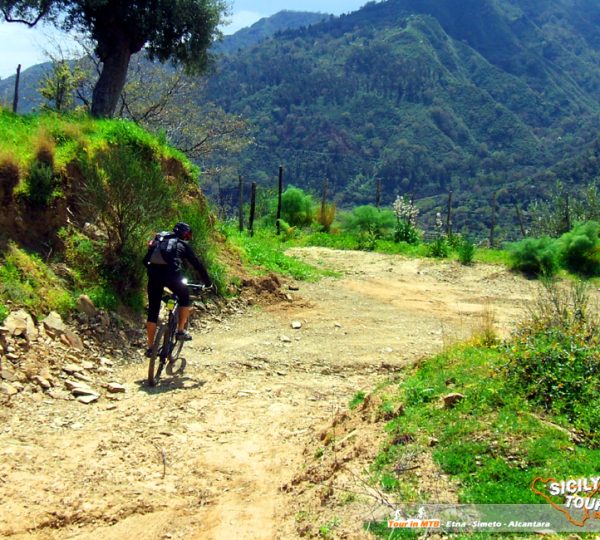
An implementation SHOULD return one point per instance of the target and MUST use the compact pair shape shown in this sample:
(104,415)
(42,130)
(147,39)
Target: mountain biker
(164,263)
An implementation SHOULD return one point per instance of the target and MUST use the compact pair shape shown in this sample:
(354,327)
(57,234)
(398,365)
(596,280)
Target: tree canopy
(177,30)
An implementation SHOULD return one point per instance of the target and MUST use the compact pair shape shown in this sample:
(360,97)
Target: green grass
(26,281)
(74,133)
(493,442)
(265,253)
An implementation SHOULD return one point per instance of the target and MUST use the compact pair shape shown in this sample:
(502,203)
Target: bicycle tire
(154,367)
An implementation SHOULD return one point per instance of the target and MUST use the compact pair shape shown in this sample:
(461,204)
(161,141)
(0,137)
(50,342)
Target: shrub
(296,207)
(9,178)
(40,184)
(326,216)
(27,282)
(83,255)
(466,251)
(535,256)
(3,313)
(368,220)
(406,221)
(439,248)
(127,194)
(554,358)
(580,249)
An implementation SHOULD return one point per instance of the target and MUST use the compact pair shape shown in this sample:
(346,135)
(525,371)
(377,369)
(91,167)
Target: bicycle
(166,349)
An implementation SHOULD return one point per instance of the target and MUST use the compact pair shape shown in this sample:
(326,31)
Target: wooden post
(493,223)
(280,193)
(378,193)
(324,199)
(241,204)
(520,218)
(567,212)
(449,216)
(16,95)
(252,209)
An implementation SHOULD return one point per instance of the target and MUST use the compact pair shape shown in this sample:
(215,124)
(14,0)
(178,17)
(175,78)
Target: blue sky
(21,45)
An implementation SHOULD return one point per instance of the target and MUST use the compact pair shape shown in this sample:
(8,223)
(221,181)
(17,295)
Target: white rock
(296,325)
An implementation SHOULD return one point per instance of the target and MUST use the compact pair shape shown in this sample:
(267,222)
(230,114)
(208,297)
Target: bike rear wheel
(158,356)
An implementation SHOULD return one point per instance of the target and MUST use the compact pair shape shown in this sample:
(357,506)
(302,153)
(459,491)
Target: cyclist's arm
(198,266)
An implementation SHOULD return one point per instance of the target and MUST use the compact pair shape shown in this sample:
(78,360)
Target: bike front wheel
(157,358)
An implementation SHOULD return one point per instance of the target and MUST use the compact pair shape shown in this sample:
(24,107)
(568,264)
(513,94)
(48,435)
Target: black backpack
(164,249)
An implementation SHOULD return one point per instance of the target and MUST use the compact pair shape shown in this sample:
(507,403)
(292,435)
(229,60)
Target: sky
(21,45)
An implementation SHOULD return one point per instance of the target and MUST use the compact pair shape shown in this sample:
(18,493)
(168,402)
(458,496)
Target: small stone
(452,399)
(83,391)
(88,398)
(116,388)
(41,381)
(54,325)
(72,368)
(72,340)
(296,325)
(86,306)
(7,389)
(285,339)
(20,323)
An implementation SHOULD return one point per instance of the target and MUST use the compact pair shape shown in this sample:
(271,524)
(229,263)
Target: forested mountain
(426,95)
(267,27)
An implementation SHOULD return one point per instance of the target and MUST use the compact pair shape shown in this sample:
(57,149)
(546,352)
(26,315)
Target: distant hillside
(246,37)
(425,95)
(267,27)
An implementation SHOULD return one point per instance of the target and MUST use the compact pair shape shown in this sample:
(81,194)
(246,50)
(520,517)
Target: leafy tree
(176,30)
(58,86)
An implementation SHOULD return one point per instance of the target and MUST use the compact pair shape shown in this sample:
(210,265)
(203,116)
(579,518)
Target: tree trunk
(112,79)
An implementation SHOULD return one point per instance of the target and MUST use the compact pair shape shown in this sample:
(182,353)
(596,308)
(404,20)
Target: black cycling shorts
(158,279)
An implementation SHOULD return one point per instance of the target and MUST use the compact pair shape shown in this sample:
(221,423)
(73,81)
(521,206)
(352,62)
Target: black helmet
(183,231)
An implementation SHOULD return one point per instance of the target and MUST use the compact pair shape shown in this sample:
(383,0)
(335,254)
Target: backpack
(164,249)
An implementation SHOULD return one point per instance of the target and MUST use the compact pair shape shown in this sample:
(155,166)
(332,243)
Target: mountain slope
(426,95)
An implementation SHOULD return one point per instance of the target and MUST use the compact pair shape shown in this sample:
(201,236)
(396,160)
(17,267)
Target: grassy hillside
(83,196)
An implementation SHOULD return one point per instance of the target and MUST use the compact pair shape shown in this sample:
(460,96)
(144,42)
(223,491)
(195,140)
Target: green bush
(41,183)
(297,207)
(439,248)
(3,313)
(127,194)
(535,256)
(368,219)
(466,251)
(580,249)
(554,358)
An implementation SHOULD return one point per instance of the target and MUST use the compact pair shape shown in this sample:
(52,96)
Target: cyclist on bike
(164,264)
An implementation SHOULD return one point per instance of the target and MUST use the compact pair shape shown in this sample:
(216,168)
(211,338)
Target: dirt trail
(206,456)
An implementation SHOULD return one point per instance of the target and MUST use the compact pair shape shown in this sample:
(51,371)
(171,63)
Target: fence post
(241,203)
(449,216)
(16,94)
(493,223)
(378,193)
(280,192)
(520,218)
(252,209)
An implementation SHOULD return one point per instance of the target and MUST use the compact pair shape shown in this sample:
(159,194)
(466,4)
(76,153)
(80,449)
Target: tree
(177,30)
(58,86)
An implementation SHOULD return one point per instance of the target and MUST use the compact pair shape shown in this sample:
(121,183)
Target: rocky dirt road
(223,451)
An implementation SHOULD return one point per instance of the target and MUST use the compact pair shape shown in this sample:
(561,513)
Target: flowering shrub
(406,221)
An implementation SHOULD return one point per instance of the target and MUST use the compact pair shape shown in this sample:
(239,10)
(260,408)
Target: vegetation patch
(25,280)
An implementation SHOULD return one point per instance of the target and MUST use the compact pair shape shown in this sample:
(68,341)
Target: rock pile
(74,361)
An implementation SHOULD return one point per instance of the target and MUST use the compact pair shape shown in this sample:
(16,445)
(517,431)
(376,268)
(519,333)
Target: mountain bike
(166,350)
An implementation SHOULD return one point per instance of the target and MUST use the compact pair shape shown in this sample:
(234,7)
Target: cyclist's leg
(183,296)
(155,291)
